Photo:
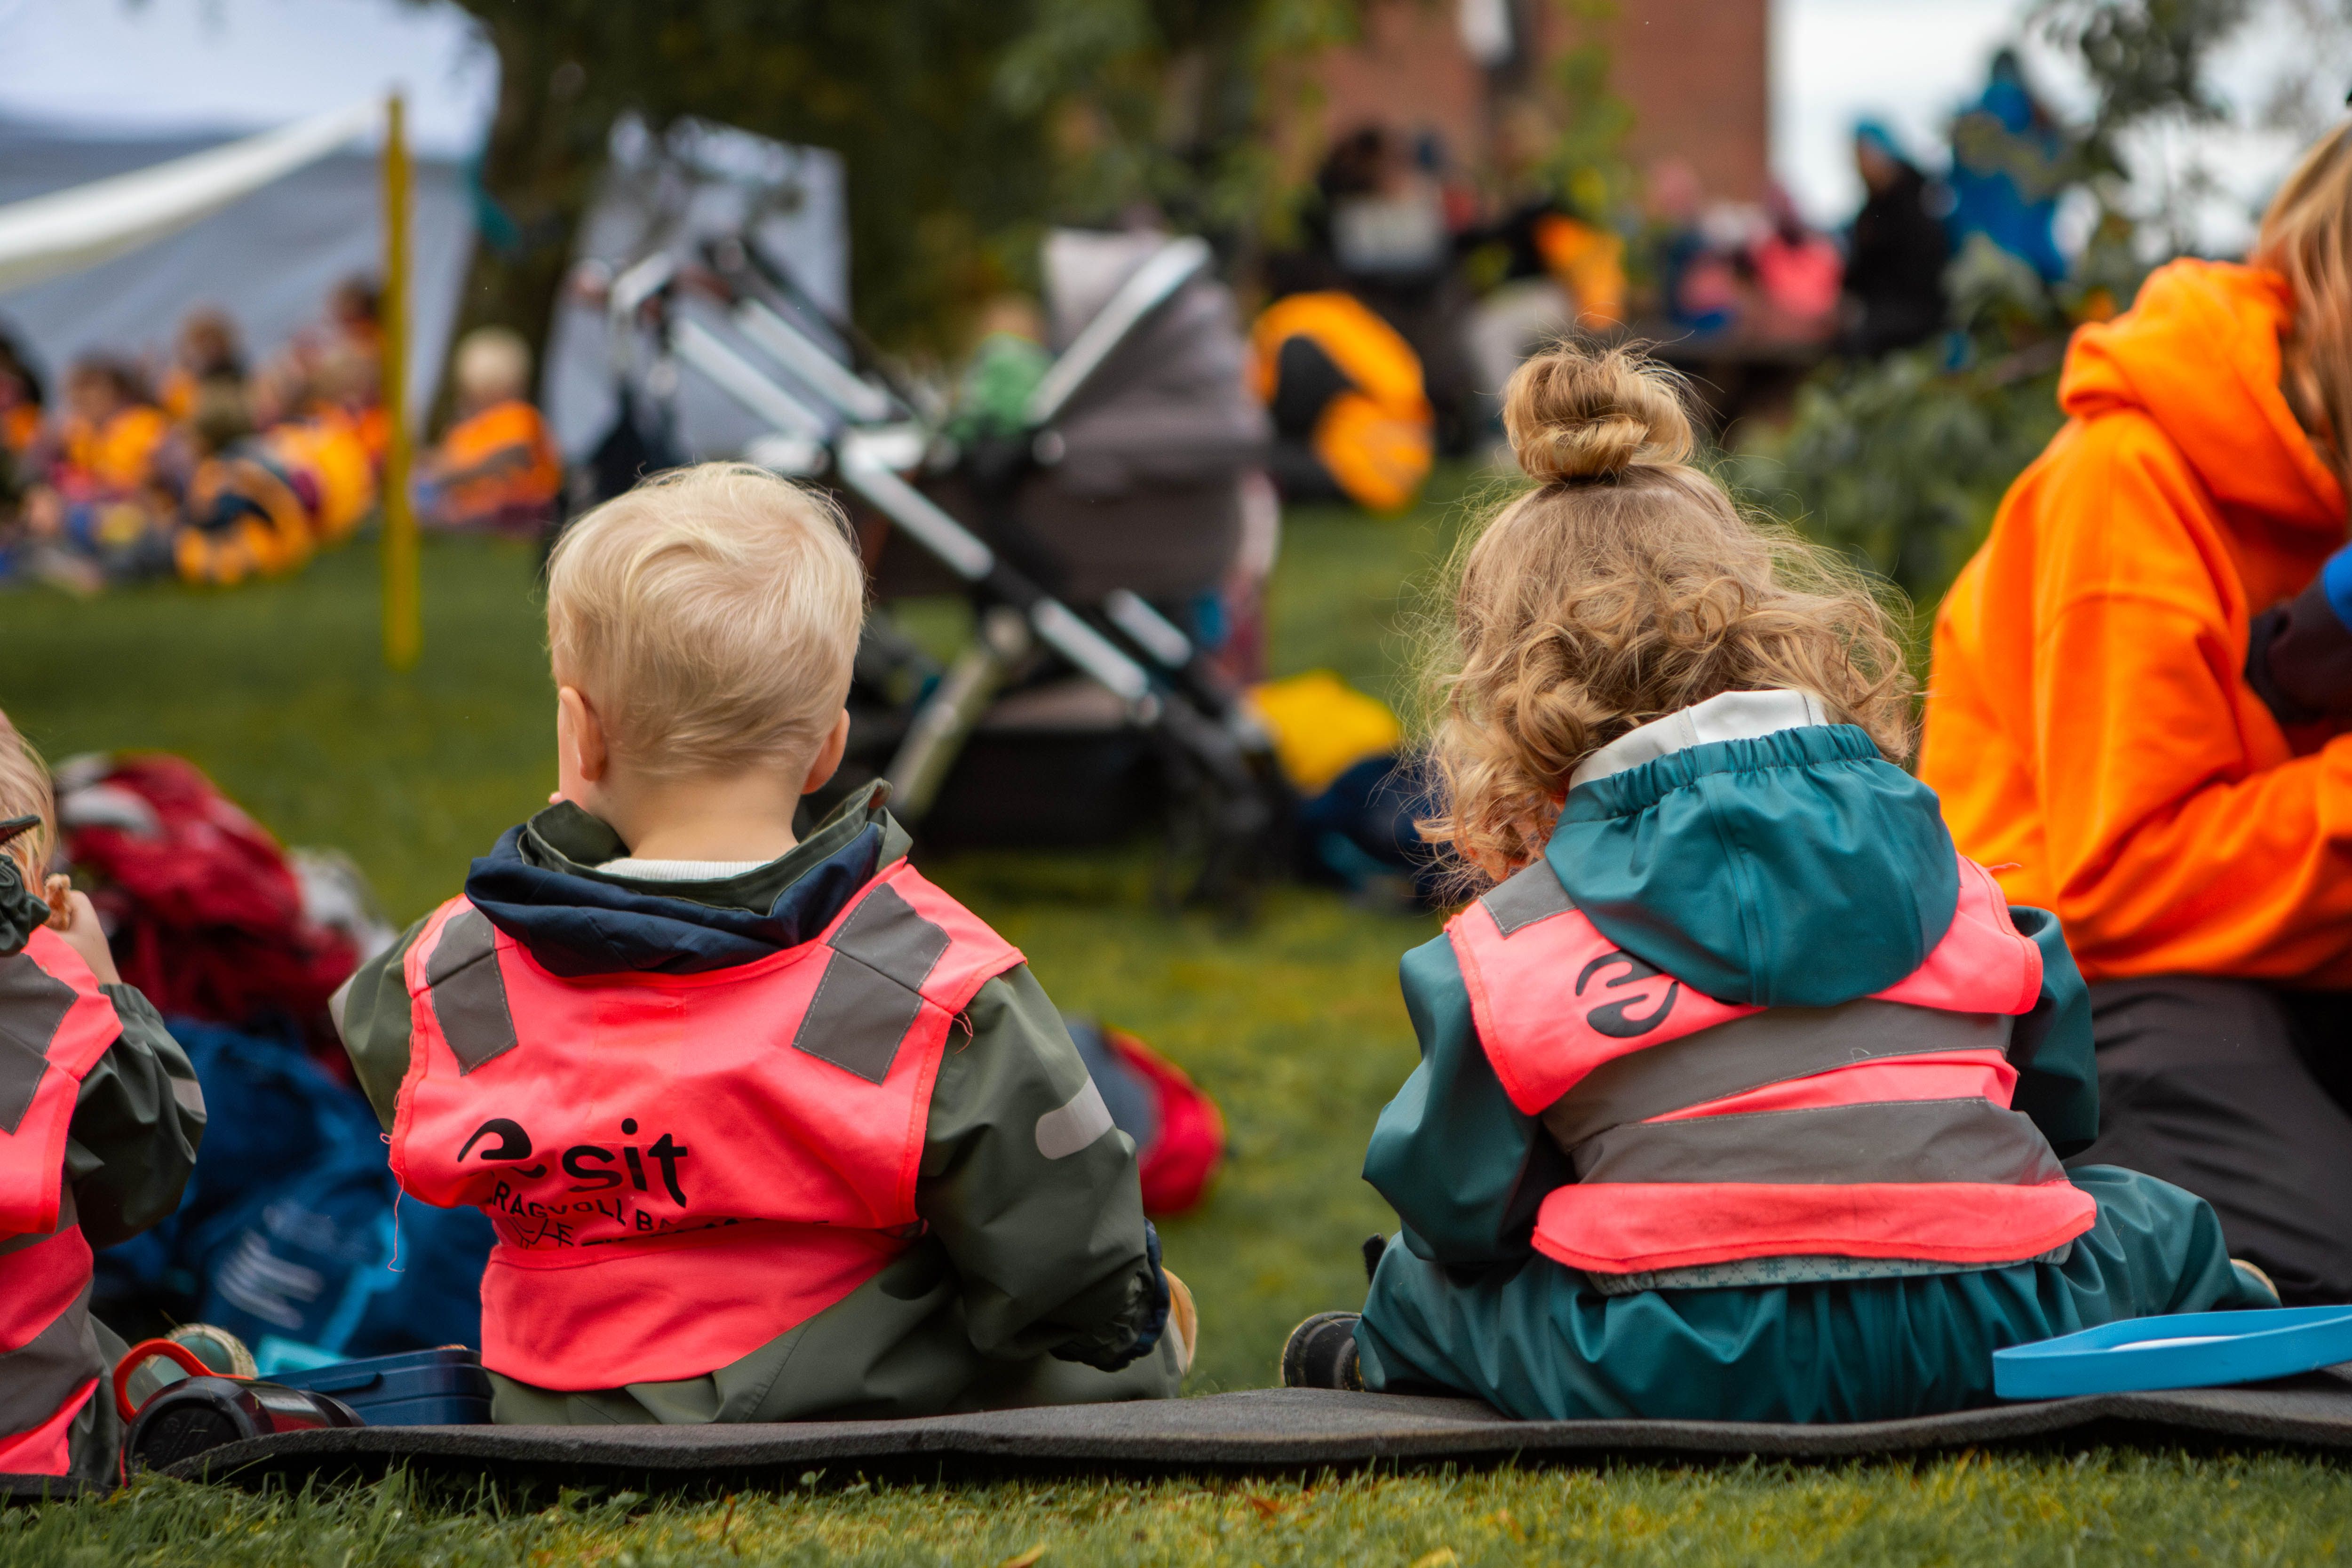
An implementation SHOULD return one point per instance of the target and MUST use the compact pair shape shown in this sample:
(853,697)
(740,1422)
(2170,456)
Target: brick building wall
(1695,72)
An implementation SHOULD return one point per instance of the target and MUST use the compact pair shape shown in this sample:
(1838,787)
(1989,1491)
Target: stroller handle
(1057,625)
(1166,271)
(858,400)
(699,347)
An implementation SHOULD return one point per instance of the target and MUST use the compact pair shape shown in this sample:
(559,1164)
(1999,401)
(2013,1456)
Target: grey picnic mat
(1267,1429)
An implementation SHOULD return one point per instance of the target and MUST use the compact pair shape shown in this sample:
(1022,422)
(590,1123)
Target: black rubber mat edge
(1265,1429)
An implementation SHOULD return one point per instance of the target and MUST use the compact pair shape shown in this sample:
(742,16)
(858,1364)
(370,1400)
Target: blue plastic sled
(2193,1350)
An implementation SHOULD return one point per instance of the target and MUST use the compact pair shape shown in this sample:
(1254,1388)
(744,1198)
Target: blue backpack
(292,1234)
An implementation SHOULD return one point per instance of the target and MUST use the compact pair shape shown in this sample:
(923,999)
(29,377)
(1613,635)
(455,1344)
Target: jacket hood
(2198,354)
(1797,868)
(539,885)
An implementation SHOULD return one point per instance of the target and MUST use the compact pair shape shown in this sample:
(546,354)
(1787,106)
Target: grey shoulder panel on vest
(469,994)
(33,1004)
(885,934)
(1529,894)
(871,992)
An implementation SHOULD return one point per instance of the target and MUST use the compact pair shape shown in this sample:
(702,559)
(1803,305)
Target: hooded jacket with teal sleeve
(1796,989)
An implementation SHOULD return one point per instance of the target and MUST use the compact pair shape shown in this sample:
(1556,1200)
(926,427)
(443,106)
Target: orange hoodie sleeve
(2144,792)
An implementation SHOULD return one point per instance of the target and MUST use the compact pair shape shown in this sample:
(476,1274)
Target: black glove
(2299,654)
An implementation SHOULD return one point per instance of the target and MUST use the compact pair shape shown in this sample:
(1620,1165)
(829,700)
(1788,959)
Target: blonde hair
(2306,237)
(493,362)
(711,615)
(1625,587)
(25,791)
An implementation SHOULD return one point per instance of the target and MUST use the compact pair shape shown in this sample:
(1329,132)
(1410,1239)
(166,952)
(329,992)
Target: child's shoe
(1185,1319)
(1321,1353)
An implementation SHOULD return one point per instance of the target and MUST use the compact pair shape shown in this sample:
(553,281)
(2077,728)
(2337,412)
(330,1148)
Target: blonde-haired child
(770,1127)
(1742,1095)
(498,467)
(99,1118)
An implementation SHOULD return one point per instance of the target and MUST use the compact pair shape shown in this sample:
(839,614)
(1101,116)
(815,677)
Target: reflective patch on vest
(1797,1268)
(1772,1046)
(884,932)
(37,1377)
(469,994)
(1530,894)
(33,1004)
(1912,1141)
(1064,1132)
(871,992)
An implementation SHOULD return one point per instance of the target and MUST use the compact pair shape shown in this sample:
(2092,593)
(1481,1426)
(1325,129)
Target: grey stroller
(1091,546)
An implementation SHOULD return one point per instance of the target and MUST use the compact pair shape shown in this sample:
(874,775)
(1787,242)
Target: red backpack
(204,912)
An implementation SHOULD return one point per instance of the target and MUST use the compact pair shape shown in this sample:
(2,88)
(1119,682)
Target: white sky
(155,65)
(131,66)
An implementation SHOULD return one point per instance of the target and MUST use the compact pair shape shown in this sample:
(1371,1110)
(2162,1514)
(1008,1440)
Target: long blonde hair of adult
(2306,237)
(1626,586)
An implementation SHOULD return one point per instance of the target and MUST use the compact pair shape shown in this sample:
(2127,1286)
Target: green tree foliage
(2145,58)
(962,128)
(1171,104)
(1901,463)
(1588,167)
(906,91)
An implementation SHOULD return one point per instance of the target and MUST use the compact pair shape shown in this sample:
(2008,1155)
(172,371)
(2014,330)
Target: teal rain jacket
(1796,868)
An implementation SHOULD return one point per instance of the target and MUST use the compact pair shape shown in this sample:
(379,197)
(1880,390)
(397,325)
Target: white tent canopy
(261,234)
(44,237)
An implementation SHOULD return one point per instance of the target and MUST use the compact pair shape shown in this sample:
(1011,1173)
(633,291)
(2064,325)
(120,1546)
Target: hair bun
(1573,414)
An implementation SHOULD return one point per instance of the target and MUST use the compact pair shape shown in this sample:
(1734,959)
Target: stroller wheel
(1223,817)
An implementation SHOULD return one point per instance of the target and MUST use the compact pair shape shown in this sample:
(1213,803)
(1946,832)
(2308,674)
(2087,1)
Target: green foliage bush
(1901,464)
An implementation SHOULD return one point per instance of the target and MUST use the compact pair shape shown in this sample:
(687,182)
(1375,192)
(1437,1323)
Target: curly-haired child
(1742,1094)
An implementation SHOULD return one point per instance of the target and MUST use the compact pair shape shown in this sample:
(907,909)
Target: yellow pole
(403,634)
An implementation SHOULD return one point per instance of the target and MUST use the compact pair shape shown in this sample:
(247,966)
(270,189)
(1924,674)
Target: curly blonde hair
(1624,586)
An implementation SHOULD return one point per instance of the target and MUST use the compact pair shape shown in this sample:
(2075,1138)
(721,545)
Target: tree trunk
(546,147)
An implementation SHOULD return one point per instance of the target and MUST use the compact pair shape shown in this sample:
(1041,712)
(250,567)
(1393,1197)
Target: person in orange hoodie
(2140,717)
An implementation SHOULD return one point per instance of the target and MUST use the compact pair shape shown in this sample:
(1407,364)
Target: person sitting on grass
(105,1117)
(102,505)
(1742,1094)
(247,513)
(770,1127)
(208,352)
(112,435)
(497,469)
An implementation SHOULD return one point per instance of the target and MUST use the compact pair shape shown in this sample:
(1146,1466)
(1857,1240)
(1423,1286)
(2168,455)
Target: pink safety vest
(55,1024)
(1706,1131)
(681,1167)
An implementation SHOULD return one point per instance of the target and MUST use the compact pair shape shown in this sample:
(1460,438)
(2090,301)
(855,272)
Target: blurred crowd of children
(219,469)
(1415,289)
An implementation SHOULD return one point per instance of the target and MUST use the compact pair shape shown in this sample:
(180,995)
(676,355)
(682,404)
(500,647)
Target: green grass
(1295,1025)
(2100,1508)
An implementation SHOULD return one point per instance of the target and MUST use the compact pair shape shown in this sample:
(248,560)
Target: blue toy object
(2193,1350)
(445,1387)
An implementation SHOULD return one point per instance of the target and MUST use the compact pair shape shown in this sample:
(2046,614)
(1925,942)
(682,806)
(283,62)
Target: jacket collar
(1728,716)
(539,886)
